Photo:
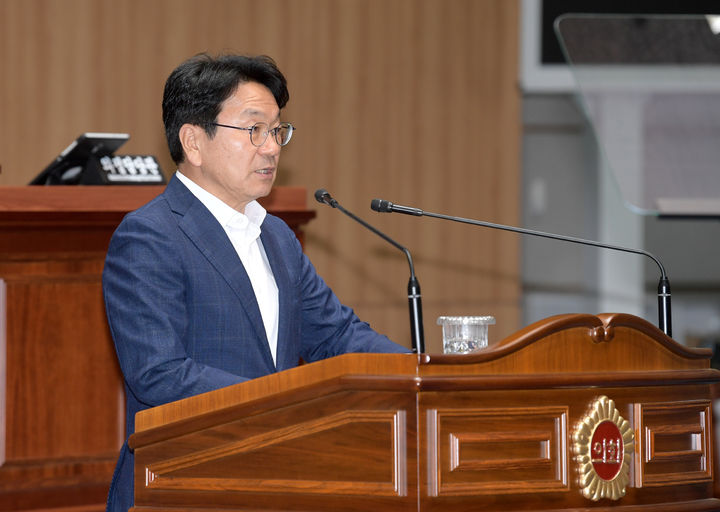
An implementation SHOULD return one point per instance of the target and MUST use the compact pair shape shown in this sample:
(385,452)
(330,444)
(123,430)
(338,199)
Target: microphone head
(323,196)
(381,205)
(320,195)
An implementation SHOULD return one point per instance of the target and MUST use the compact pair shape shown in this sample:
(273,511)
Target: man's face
(231,168)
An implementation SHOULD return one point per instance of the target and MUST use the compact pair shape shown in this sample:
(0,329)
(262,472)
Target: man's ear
(191,138)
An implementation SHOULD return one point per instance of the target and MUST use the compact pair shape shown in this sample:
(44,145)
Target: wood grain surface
(490,431)
(414,101)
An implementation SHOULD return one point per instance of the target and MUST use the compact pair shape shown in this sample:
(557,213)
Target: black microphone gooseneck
(664,318)
(414,297)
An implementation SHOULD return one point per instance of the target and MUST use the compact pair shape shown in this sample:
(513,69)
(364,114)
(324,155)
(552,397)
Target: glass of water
(464,334)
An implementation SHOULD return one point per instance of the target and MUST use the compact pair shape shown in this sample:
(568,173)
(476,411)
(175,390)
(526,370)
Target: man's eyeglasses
(259,132)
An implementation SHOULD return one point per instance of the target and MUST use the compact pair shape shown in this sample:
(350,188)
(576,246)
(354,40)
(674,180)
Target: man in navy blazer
(202,288)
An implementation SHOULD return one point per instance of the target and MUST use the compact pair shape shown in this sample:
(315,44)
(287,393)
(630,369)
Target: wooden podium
(62,412)
(533,423)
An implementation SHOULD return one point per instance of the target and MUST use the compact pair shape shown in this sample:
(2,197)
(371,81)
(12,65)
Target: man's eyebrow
(254,112)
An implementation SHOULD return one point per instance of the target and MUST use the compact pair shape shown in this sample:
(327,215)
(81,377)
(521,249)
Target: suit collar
(224,213)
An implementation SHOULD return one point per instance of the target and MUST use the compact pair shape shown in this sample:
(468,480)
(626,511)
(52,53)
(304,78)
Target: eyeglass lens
(260,131)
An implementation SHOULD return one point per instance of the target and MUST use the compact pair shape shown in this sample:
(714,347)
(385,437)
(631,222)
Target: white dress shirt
(244,233)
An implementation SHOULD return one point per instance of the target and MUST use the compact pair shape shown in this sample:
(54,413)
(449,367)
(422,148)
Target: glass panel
(650,87)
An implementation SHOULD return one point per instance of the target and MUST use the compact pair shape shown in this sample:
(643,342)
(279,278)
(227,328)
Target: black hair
(196,89)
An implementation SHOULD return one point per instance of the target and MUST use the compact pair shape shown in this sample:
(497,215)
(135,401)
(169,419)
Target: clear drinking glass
(463,334)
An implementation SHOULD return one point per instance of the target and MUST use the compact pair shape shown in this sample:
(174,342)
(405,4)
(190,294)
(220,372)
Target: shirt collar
(225,214)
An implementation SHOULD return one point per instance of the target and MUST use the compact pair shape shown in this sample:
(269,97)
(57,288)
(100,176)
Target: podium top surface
(80,199)
(115,199)
(42,220)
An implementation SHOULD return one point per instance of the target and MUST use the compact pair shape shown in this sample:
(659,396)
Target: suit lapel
(205,232)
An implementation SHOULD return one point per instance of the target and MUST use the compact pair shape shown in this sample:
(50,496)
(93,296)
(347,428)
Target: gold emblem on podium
(603,443)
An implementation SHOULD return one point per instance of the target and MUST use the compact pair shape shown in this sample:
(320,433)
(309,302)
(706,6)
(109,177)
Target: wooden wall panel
(414,101)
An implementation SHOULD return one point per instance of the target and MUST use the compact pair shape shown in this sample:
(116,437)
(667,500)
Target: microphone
(323,196)
(414,297)
(664,319)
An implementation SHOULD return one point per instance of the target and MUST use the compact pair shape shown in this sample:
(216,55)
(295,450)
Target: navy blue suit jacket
(185,320)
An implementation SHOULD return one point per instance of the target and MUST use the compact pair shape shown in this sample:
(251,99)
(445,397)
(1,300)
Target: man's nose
(270,146)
